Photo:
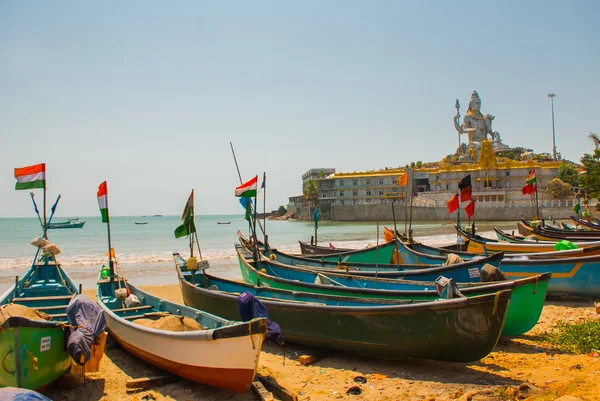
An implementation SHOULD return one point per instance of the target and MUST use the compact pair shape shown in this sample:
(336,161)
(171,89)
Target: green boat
(527,300)
(459,329)
(33,352)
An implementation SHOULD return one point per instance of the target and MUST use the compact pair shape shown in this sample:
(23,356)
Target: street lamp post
(551,96)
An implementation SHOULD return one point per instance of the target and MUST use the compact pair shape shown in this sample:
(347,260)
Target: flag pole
(264,185)
(45,222)
(412,184)
(111,264)
(241,182)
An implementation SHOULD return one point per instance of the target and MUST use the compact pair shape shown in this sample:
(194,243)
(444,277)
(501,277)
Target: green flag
(188,227)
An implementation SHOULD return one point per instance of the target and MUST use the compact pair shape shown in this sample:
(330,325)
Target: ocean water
(144,251)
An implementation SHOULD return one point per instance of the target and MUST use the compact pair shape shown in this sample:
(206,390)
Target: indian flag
(531,178)
(103,201)
(31,177)
(248,189)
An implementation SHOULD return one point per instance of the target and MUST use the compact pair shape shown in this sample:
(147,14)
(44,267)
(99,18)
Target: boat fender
(121,293)
(132,301)
(192,263)
(263,271)
(272,256)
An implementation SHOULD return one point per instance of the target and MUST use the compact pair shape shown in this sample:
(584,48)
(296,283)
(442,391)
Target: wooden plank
(278,391)
(43,298)
(153,381)
(261,392)
(306,359)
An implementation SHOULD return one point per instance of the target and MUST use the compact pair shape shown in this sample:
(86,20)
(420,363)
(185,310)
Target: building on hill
(363,196)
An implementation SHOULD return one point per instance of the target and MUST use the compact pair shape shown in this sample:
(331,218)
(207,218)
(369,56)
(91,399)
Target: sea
(144,251)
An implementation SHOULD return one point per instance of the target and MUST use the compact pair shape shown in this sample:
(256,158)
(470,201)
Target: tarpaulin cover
(84,312)
(20,394)
(250,307)
(564,245)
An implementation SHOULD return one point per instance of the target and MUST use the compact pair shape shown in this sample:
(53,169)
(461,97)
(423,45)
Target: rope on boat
(250,332)
(496,303)
(34,360)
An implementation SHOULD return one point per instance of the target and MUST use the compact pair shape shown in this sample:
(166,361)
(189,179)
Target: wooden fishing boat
(32,349)
(310,249)
(544,233)
(464,272)
(459,329)
(373,254)
(223,222)
(592,225)
(219,352)
(524,309)
(576,276)
(482,246)
(66,224)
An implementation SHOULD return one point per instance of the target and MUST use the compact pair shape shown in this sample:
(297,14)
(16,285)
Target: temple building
(498,173)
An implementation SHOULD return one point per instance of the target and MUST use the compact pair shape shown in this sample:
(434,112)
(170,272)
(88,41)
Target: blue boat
(576,276)
(469,271)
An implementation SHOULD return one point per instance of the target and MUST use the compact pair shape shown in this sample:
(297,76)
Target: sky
(149,95)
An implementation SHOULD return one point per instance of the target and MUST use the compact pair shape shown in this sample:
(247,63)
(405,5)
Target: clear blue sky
(148,95)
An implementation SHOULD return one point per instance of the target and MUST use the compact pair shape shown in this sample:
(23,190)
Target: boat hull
(576,276)
(19,346)
(523,312)
(459,330)
(225,356)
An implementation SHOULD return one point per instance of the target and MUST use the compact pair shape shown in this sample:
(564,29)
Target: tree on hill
(281,211)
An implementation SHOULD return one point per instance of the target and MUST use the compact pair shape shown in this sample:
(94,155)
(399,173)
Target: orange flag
(453,204)
(402,180)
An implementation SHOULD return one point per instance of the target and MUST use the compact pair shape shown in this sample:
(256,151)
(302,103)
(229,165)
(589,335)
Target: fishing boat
(33,330)
(480,245)
(465,271)
(66,224)
(188,342)
(223,222)
(381,253)
(215,351)
(547,234)
(140,222)
(524,309)
(575,276)
(460,329)
(40,356)
(311,249)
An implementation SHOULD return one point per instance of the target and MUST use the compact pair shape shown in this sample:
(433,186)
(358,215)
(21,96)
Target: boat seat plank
(133,308)
(50,298)
(49,308)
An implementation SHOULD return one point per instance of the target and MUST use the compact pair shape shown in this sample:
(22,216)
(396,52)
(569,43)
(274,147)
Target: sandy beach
(520,368)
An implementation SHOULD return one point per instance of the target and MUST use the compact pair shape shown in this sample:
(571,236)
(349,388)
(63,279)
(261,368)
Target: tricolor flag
(248,189)
(31,177)
(530,184)
(188,227)
(103,201)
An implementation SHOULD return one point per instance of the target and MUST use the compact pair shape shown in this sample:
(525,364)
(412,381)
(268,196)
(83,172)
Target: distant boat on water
(66,224)
(140,222)
(223,222)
